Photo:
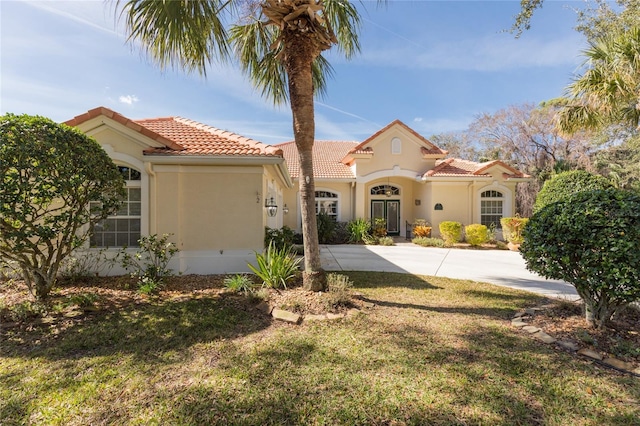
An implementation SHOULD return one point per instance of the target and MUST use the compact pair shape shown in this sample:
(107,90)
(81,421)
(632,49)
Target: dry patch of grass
(432,351)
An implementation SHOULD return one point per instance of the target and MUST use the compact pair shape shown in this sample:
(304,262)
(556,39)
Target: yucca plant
(276,266)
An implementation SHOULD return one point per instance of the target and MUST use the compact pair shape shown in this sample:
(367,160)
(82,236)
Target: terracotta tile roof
(452,167)
(96,112)
(431,148)
(185,137)
(201,139)
(326,159)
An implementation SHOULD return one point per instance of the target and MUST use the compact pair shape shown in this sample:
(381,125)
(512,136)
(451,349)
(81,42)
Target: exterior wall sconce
(438,207)
(418,202)
(285,209)
(387,191)
(271,207)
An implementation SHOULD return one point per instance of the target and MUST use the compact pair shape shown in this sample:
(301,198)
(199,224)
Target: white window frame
(493,198)
(335,199)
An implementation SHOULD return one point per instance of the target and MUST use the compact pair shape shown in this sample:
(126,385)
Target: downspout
(148,168)
(353,200)
(471,203)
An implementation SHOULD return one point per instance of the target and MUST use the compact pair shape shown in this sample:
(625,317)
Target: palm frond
(183,34)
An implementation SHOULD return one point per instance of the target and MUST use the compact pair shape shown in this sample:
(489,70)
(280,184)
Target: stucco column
(360,207)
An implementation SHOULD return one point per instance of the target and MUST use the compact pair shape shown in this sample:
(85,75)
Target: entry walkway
(500,267)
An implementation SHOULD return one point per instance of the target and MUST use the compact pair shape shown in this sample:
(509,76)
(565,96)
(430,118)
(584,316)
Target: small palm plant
(276,266)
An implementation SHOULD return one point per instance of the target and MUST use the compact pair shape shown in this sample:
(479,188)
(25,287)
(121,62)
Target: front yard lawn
(431,351)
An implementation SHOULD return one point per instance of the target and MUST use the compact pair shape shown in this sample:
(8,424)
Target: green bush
(512,228)
(428,242)
(591,240)
(50,174)
(326,228)
(451,232)
(379,228)
(339,294)
(281,238)
(276,266)
(565,184)
(386,241)
(476,234)
(240,283)
(359,229)
(341,233)
(149,264)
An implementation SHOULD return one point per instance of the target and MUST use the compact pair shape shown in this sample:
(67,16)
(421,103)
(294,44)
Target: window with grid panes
(327,202)
(123,228)
(491,203)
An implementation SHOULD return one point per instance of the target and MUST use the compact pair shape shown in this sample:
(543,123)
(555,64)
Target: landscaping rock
(368,305)
(530,311)
(286,316)
(590,354)
(541,335)
(627,366)
(353,312)
(333,316)
(568,345)
(518,315)
(264,307)
(531,329)
(518,322)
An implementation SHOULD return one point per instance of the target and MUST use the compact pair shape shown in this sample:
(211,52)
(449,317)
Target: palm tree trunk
(298,65)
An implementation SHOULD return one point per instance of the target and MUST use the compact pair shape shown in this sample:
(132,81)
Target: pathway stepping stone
(568,345)
(531,329)
(541,335)
(286,316)
(590,354)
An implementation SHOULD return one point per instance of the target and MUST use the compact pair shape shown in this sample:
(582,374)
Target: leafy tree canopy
(50,172)
(565,184)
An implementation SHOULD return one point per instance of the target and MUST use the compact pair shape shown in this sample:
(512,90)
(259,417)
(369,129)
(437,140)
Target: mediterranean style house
(215,191)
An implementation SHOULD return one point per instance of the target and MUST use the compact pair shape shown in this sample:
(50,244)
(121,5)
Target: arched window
(123,228)
(387,190)
(491,208)
(327,202)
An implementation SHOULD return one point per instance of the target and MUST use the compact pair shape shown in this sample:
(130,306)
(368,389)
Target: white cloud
(128,99)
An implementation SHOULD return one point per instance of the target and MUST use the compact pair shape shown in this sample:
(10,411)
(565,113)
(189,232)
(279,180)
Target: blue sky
(435,65)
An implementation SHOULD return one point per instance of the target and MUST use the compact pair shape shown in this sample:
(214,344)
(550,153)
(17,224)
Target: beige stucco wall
(410,157)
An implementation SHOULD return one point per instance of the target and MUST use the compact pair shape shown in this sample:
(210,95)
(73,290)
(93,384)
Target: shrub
(50,174)
(240,283)
(339,291)
(281,238)
(591,240)
(149,264)
(565,184)
(421,228)
(379,227)
(451,232)
(476,234)
(340,233)
(512,228)
(326,228)
(386,241)
(428,242)
(358,230)
(276,266)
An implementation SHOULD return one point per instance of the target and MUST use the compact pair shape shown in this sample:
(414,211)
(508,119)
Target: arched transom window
(387,190)
(123,228)
(491,208)
(327,202)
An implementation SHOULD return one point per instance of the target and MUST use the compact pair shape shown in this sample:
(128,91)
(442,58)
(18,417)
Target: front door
(389,210)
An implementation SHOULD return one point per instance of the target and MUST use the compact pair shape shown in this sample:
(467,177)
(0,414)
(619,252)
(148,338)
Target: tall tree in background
(279,45)
(525,137)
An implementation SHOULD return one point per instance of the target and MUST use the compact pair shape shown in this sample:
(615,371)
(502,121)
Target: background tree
(525,137)
(279,45)
(565,184)
(50,173)
(591,240)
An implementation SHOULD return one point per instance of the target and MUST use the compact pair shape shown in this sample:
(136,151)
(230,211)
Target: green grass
(432,351)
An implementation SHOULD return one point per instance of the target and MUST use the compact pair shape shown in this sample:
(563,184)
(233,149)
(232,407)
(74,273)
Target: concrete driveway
(500,267)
